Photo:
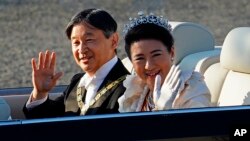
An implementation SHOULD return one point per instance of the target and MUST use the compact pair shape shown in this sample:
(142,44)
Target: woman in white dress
(158,83)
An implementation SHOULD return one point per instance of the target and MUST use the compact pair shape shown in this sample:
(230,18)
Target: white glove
(164,96)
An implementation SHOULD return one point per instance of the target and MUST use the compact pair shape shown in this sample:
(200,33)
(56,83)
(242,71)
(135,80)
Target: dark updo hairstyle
(95,17)
(148,31)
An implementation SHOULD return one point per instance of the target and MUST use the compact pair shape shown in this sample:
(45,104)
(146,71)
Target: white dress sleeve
(133,97)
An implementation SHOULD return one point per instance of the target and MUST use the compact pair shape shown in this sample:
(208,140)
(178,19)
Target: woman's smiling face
(149,58)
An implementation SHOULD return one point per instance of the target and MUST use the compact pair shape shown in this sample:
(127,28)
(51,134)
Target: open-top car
(226,71)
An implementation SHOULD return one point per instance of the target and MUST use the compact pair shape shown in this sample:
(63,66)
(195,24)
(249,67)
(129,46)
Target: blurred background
(30,26)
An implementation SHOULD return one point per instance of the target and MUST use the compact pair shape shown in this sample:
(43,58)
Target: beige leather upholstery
(127,63)
(200,61)
(235,90)
(235,53)
(229,80)
(16,103)
(190,38)
(214,77)
(207,61)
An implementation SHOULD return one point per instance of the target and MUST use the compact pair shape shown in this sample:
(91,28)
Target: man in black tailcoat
(94,39)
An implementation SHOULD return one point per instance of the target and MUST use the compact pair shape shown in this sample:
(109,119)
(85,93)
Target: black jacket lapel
(116,72)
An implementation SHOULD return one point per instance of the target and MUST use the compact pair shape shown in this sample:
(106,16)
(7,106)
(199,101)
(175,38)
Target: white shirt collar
(100,74)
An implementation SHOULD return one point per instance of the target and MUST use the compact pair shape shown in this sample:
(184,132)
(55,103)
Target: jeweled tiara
(143,19)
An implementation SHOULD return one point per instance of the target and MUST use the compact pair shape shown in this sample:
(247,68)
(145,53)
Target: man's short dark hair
(95,17)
